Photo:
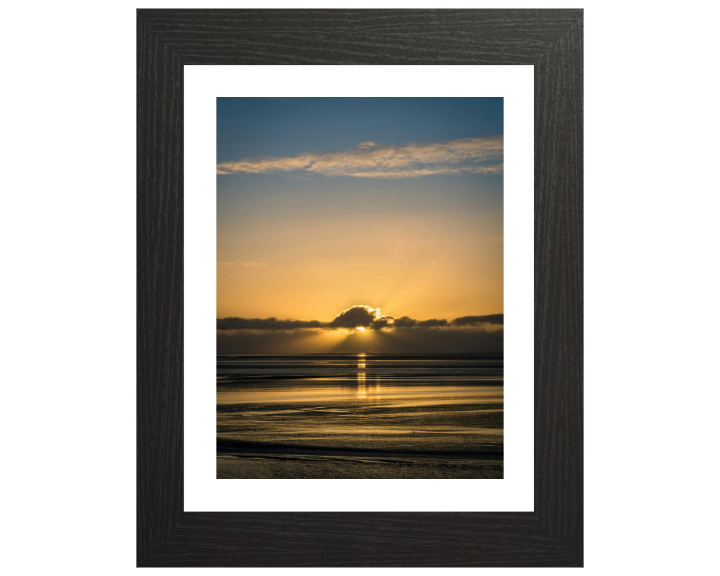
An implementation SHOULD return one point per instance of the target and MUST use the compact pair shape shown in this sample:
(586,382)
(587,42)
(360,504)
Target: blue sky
(290,126)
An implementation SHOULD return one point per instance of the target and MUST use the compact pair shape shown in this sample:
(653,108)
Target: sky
(386,213)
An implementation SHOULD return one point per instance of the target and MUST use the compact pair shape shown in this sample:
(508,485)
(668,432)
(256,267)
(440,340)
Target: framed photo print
(360,288)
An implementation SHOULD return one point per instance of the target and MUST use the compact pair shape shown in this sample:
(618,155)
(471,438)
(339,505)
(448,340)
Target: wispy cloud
(371,160)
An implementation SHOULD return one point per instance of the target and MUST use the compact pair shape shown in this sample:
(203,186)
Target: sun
(361,329)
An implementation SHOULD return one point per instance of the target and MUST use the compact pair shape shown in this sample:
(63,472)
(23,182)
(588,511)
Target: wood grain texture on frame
(552,41)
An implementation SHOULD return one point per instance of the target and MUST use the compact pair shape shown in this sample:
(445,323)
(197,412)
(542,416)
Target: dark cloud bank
(386,333)
(353,318)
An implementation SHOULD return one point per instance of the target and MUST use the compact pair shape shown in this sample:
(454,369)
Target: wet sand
(373,417)
(231,466)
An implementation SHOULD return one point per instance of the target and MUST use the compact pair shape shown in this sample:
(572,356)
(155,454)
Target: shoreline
(259,466)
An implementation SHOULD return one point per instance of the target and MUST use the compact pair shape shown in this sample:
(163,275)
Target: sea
(360,416)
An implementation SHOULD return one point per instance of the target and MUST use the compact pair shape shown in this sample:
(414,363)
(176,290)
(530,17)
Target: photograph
(360,288)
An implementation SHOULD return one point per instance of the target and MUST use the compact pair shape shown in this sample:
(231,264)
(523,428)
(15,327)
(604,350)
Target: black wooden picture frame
(552,41)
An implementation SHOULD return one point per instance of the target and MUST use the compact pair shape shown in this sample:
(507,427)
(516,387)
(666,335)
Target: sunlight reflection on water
(399,394)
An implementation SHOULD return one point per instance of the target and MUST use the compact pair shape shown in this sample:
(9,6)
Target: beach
(360,416)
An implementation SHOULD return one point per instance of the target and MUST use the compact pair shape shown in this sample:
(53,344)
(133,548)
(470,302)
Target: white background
(203,492)
(67,226)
